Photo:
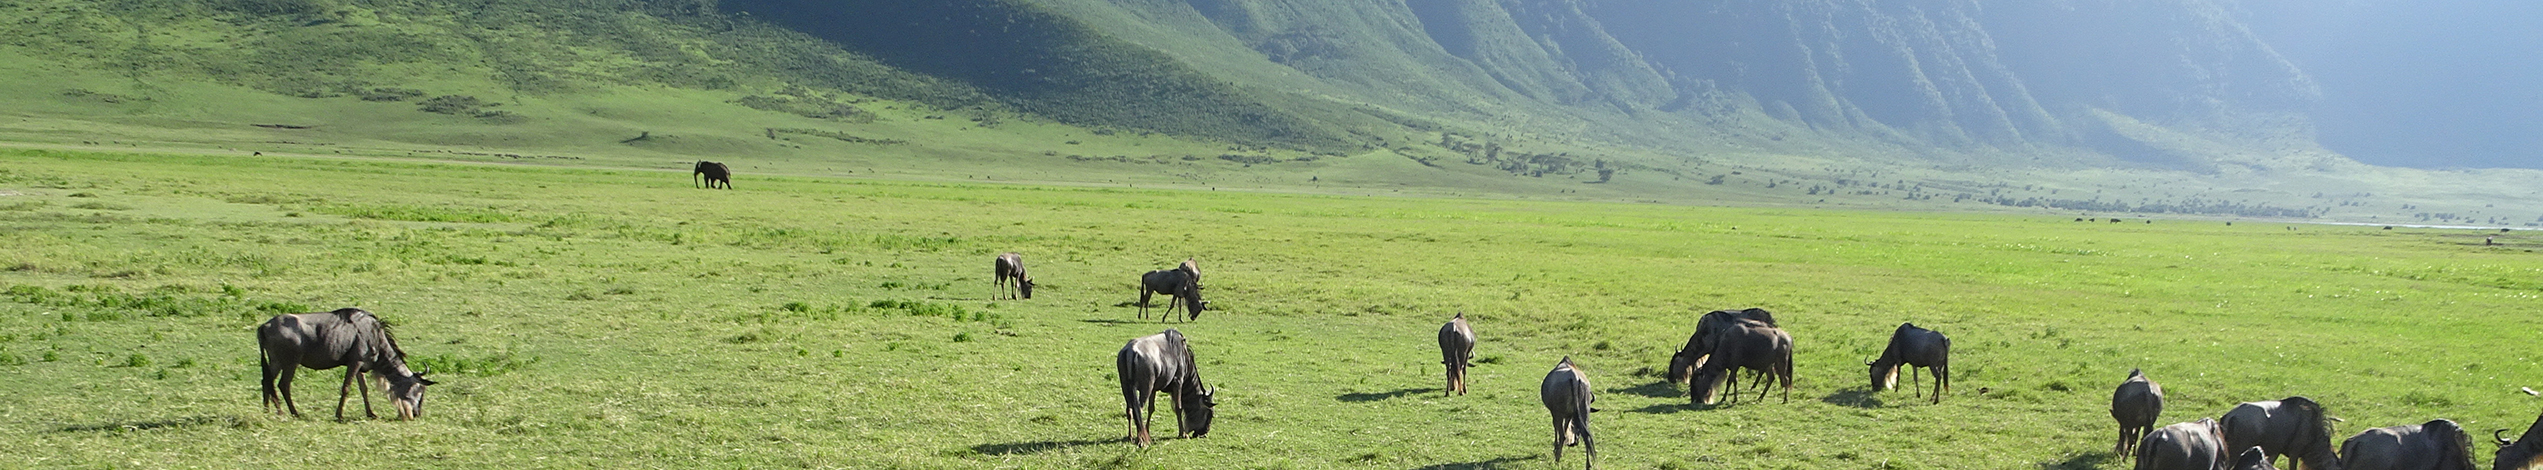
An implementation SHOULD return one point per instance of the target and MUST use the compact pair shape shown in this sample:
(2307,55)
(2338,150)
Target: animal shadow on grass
(1114,321)
(1861,398)
(1370,397)
(187,422)
(1660,389)
(2083,461)
(1019,448)
(1502,462)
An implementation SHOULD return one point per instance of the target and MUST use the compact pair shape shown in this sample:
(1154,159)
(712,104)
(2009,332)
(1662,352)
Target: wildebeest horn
(2336,419)
(2500,435)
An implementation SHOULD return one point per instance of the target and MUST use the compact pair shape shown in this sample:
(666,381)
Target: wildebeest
(1010,267)
(1163,363)
(1183,286)
(1457,352)
(2251,459)
(1913,347)
(1708,329)
(2524,453)
(2137,404)
(1567,398)
(2197,445)
(2434,445)
(1746,345)
(2295,427)
(712,173)
(349,337)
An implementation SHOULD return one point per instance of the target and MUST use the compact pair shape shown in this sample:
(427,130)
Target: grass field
(584,317)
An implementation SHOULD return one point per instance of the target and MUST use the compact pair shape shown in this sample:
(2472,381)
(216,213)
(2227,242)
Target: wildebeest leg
(1148,420)
(284,383)
(364,384)
(1143,301)
(1561,434)
(1942,381)
(346,391)
(273,402)
(1913,382)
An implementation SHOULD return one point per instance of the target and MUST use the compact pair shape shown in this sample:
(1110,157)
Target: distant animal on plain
(1913,347)
(1457,352)
(2295,427)
(712,173)
(1708,330)
(1746,345)
(2136,405)
(1567,398)
(1183,286)
(2524,453)
(1163,362)
(2434,445)
(351,338)
(2197,445)
(1010,267)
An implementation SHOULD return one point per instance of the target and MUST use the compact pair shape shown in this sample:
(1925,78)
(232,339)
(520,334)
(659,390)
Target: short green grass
(619,318)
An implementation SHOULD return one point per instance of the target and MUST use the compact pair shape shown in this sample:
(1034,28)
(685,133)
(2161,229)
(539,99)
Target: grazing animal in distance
(2251,459)
(1913,347)
(2137,404)
(2198,445)
(1708,330)
(1182,285)
(2295,427)
(712,173)
(1162,362)
(1010,267)
(2434,445)
(1567,397)
(351,338)
(1457,351)
(1746,345)
(2524,453)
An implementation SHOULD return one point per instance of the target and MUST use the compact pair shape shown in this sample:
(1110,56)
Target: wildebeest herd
(2252,435)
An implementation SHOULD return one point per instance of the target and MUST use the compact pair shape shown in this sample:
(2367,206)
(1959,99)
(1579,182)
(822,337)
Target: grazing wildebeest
(1913,347)
(2197,445)
(1708,329)
(2524,453)
(2137,404)
(1746,345)
(1010,266)
(2295,427)
(350,338)
(2434,445)
(2251,459)
(1567,398)
(1457,351)
(1163,363)
(712,172)
(1183,286)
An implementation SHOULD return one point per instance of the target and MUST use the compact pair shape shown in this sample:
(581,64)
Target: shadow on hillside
(1501,462)
(1858,398)
(1667,408)
(187,422)
(1370,397)
(1660,389)
(2087,460)
(1037,447)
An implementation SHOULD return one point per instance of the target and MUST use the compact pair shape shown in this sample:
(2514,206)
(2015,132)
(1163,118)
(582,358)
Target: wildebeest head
(2524,452)
(406,394)
(1197,413)
(2252,458)
(1681,365)
(1025,286)
(1884,373)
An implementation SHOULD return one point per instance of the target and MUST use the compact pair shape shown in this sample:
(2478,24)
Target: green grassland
(582,317)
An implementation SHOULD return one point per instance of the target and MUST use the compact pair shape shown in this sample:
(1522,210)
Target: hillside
(1928,105)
